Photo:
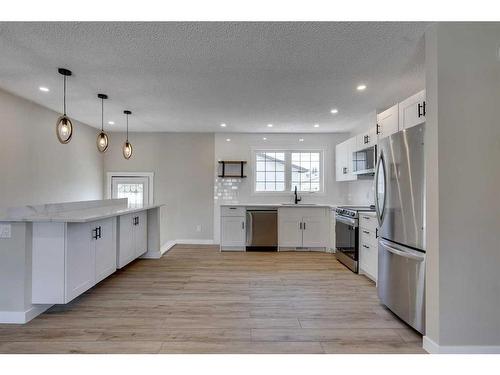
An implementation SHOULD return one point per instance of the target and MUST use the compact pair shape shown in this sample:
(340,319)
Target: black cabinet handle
(366,232)
(304,226)
(100,234)
(344,170)
(378,129)
(94,233)
(421,109)
(366,247)
(376,232)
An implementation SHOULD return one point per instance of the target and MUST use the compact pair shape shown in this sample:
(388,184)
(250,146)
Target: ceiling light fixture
(361,87)
(334,111)
(127,146)
(301,139)
(264,139)
(44,89)
(228,139)
(269,125)
(316,125)
(102,137)
(111,122)
(222,125)
(64,127)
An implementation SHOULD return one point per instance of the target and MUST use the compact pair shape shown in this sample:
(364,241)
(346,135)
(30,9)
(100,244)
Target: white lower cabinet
(69,259)
(233,233)
(303,227)
(368,245)
(132,237)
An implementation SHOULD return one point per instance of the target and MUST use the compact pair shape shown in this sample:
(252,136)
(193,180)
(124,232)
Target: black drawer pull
(365,231)
(366,247)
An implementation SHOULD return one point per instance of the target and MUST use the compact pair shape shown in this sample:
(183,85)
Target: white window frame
(288,171)
(148,175)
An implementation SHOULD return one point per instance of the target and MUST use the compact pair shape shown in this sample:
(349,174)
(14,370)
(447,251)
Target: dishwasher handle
(249,219)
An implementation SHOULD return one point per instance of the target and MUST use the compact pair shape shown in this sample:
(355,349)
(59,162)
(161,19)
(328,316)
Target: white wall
(241,147)
(463,176)
(34,167)
(183,169)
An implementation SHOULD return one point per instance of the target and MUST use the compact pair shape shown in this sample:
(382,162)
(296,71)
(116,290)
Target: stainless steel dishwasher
(262,230)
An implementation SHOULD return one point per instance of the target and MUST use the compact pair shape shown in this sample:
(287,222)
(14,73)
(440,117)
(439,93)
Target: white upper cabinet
(412,111)
(366,139)
(344,160)
(388,122)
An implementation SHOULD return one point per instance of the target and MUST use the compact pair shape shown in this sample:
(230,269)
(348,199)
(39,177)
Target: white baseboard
(433,348)
(21,317)
(194,242)
(166,247)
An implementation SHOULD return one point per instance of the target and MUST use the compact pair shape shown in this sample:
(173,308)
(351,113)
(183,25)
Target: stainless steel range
(347,234)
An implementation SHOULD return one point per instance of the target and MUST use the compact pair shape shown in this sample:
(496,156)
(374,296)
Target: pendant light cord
(102,114)
(127,127)
(64,96)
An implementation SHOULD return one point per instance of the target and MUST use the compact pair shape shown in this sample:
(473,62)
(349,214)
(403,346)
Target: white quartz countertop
(277,205)
(80,215)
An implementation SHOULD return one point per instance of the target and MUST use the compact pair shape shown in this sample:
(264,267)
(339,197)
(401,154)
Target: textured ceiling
(192,76)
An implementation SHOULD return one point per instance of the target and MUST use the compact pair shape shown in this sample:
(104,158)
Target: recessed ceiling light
(334,111)
(228,139)
(301,139)
(223,125)
(111,122)
(361,87)
(44,89)
(269,125)
(264,139)
(316,125)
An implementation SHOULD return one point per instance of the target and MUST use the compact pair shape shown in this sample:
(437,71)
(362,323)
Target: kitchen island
(51,253)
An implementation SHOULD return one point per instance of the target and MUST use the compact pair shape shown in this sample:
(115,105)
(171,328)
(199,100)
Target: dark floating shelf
(223,163)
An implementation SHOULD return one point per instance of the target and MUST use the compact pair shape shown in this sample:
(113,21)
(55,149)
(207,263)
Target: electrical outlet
(5,231)
(198,228)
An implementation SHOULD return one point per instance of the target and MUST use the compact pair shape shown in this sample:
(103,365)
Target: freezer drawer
(401,285)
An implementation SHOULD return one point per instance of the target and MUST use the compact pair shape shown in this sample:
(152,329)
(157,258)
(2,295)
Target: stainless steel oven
(346,240)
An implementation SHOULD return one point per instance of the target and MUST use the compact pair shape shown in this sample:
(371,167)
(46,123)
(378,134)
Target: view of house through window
(134,188)
(279,171)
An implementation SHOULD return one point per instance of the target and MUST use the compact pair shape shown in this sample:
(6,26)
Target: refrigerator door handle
(405,254)
(379,210)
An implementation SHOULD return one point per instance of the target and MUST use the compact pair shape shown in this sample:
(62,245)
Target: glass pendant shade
(127,150)
(64,129)
(102,142)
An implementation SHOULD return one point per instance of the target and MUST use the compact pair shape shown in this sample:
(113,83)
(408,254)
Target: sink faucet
(297,199)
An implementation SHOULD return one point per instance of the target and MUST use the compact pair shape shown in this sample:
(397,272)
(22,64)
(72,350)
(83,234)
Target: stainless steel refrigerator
(399,202)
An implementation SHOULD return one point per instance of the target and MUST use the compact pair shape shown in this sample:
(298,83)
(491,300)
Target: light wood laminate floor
(198,300)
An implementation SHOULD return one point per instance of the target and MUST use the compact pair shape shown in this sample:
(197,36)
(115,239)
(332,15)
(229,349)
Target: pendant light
(64,127)
(127,146)
(102,137)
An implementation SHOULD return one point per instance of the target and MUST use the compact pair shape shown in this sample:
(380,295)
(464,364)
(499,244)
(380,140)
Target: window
(270,171)
(305,171)
(137,187)
(281,171)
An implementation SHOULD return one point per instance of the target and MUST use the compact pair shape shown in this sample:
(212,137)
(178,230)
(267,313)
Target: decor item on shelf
(102,137)
(64,127)
(236,167)
(127,146)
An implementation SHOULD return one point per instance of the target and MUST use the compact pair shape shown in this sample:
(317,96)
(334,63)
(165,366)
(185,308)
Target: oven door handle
(346,220)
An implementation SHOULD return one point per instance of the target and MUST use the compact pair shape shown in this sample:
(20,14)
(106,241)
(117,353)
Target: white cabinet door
(412,111)
(126,247)
(388,122)
(289,227)
(344,160)
(80,259)
(105,249)
(233,233)
(315,231)
(141,233)
(366,139)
